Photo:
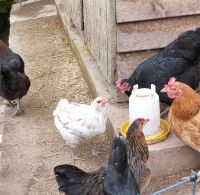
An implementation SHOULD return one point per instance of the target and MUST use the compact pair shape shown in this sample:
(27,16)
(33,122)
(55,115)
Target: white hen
(78,122)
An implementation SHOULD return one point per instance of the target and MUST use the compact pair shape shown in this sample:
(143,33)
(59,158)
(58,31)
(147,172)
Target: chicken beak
(103,102)
(146,121)
(116,89)
(164,90)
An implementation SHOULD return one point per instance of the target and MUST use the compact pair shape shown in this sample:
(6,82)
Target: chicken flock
(128,161)
(176,73)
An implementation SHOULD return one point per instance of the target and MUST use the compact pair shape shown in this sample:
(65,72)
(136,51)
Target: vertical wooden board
(74,10)
(95,30)
(104,37)
(87,21)
(112,40)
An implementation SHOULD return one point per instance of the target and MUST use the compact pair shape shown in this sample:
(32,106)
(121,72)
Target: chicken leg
(19,111)
(95,152)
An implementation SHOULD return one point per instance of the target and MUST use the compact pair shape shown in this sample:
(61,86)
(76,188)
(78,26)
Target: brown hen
(184,113)
(138,153)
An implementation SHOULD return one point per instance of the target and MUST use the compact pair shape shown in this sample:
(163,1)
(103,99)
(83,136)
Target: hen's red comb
(171,81)
(118,81)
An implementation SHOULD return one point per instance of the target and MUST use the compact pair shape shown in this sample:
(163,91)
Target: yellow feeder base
(152,139)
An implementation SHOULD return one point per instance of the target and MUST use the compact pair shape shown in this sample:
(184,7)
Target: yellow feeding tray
(152,139)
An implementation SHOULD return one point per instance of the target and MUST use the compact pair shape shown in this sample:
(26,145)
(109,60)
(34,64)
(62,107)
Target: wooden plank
(98,24)
(103,47)
(127,62)
(152,34)
(112,40)
(74,10)
(138,10)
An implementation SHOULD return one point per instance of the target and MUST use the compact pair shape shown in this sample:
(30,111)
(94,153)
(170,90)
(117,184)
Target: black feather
(180,59)
(119,178)
(13,85)
(74,181)
(10,60)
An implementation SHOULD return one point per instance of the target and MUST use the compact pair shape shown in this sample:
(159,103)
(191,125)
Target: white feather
(77,122)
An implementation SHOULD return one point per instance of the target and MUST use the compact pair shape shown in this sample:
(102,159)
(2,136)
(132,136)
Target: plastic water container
(144,103)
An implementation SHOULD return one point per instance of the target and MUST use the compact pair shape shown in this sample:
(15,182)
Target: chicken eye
(125,85)
(99,101)
(173,89)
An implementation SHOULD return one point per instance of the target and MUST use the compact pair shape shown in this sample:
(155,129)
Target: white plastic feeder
(144,103)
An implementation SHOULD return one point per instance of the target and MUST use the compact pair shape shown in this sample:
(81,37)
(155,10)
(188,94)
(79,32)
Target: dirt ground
(32,146)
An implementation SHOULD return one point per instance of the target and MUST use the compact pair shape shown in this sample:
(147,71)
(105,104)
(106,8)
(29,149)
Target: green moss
(5,5)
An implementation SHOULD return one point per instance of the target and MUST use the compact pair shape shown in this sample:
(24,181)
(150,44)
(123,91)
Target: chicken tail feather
(119,177)
(69,179)
(118,157)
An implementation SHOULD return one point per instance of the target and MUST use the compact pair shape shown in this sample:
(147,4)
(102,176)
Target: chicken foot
(75,157)
(10,103)
(95,152)
(19,111)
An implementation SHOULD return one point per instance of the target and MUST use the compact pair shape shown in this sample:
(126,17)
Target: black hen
(13,86)
(10,60)
(119,178)
(180,59)
(115,180)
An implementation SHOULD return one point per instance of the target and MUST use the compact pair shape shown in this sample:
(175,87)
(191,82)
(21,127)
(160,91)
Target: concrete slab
(31,10)
(168,157)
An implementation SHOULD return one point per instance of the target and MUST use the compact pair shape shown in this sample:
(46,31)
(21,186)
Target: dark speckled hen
(116,179)
(138,153)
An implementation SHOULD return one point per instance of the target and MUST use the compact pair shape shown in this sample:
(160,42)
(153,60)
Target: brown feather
(138,155)
(184,116)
